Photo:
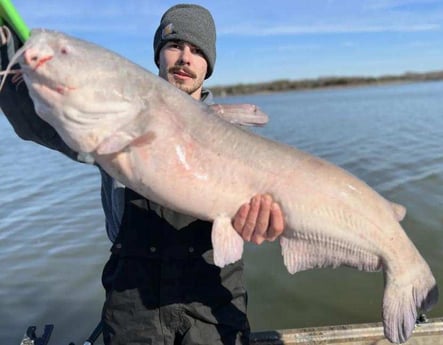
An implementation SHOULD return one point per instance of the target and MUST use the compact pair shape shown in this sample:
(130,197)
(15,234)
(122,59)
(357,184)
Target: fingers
(259,220)
(259,232)
(239,220)
(251,218)
(277,222)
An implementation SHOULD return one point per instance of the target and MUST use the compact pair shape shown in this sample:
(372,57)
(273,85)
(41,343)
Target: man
(162,286)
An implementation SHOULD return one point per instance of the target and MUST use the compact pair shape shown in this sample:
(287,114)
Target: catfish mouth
(35,75)
(41,82)
(42,61)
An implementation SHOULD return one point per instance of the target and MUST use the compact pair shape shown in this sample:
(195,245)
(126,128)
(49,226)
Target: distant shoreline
(320,83)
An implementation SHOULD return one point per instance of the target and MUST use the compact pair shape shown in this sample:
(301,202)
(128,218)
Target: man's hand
(259,220)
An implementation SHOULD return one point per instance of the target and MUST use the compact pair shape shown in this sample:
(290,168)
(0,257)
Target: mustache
(177,69)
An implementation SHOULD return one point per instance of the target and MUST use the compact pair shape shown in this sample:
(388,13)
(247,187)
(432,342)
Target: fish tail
(401,300)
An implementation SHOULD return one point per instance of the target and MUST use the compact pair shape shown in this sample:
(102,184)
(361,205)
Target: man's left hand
(259,220)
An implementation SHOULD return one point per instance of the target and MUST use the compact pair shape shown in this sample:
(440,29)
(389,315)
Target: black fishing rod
(31,338)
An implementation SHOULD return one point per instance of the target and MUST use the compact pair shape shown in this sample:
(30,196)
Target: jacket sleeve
(18,107)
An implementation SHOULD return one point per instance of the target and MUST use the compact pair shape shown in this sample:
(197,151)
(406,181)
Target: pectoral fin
(241,114)
(114,143)
(227,243)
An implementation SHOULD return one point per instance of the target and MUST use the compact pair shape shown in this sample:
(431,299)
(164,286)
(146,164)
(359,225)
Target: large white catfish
(173,150)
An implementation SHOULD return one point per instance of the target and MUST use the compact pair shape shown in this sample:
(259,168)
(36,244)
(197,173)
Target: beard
(189,88)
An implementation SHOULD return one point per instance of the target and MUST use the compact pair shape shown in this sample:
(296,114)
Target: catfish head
(84,91)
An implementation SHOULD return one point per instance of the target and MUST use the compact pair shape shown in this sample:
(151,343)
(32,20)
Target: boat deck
(428,333)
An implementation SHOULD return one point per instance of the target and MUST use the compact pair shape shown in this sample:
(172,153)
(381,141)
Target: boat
(427,332)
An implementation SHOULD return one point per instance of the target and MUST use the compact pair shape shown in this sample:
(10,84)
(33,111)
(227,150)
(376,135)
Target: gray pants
(175,302)
(187,324)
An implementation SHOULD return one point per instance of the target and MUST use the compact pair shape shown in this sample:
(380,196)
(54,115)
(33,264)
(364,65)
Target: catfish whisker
(12,62)
(17,77)
(15,72)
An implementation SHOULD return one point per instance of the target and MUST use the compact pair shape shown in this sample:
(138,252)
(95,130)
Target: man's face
(184,66)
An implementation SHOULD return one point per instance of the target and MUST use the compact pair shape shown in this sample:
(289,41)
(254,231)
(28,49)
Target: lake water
(53,243)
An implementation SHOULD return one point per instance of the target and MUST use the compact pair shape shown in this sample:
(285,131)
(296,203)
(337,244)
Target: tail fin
(400,303)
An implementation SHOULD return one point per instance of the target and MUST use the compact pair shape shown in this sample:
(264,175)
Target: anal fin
(242,114)
(303,253)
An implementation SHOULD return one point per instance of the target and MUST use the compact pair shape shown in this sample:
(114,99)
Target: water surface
(53,243)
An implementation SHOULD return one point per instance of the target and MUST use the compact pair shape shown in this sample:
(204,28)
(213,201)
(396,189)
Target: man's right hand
(259,220)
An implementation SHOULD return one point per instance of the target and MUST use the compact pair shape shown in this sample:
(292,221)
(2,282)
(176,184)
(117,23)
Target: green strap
(9,14)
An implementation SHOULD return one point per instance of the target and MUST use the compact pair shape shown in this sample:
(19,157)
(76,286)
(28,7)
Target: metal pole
(95,334)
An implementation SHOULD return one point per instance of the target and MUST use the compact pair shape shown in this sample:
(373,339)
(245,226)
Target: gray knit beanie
(190,23)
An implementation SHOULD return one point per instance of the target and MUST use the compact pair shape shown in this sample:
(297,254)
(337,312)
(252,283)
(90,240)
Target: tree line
(322,82)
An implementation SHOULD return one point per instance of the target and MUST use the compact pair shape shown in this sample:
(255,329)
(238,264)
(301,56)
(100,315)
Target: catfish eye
(63,50)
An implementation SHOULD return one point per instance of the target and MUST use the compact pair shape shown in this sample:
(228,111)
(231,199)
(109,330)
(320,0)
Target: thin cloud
(396,4)
(325,29)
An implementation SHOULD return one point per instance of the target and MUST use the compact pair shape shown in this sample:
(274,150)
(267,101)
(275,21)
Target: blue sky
(268,40)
